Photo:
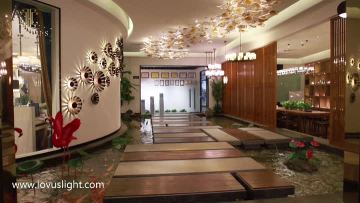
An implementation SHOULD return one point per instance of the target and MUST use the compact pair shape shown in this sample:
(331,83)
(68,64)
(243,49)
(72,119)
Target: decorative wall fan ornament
(107,81)
(99,82)
(86,75)
(112,68)
(102,63)
(92,57)
(107,50)
(71,84)
(74,105)
(119,42)
(95,98)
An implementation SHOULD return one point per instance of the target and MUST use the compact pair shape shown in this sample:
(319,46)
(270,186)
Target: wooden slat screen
(251,91)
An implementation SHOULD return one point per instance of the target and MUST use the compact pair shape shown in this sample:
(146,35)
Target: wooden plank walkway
(181,155)
(177,147)
(247,140)
(180,188)
(221,136)
(271,137)
(148,168)
(180,135)
(160,140)
(177,130)
(181,124)
(264,184)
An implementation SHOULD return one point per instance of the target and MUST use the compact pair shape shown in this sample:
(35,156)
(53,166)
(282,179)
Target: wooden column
(251,91)
(338,83)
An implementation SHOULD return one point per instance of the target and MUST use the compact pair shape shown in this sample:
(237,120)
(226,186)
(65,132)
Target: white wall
(83,28)
(133,64)
(175,97)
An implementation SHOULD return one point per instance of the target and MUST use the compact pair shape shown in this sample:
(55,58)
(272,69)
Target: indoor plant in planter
(217,93)
(302,157)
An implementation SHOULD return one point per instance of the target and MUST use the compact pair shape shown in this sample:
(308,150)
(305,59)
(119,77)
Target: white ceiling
(318,40)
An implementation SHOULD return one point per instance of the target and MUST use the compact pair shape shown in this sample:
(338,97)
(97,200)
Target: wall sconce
(95,98)
(74,105)
(92,57)
(225,80)
(99,81)
(71,84)
(86,75)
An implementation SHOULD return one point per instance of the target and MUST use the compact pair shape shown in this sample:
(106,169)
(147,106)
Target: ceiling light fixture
(241,56)
(341,10)
(236,14)
(3,70)
(214,69)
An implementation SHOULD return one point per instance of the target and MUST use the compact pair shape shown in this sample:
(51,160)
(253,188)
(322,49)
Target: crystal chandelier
(213,69)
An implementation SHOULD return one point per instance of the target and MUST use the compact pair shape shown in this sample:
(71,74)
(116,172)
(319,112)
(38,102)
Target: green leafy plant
(157,111)
(183,110)
(167,110)
(120,142)
(296,105)
(24,99)
(217,92)
(174,110)
(126,88)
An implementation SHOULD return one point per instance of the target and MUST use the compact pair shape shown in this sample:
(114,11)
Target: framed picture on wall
(172,82)
(164,75)
(155,75)
(182,82)
(191,75)
(182,75)
(177,82)
(144,74)
(156,82)
(161,82)
(167,82)
(174,75)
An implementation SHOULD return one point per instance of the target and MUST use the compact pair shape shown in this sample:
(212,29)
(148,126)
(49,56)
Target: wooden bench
(264,184)
(181,155)
(180,188)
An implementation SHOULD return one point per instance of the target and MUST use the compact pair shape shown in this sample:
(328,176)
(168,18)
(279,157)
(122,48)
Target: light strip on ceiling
(114,9)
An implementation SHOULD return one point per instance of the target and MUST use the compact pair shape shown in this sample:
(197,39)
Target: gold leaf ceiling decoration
(235,15)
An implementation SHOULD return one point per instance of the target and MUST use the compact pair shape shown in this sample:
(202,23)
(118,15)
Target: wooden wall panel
(338,83)
(252,88)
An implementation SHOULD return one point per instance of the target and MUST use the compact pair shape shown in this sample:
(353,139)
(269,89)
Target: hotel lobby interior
(179,101)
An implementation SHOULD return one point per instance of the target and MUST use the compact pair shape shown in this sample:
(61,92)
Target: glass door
(204,92)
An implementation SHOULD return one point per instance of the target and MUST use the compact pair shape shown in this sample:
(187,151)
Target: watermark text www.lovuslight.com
(63,184)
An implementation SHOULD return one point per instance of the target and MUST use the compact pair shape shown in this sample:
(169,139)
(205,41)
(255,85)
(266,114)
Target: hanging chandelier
(235,15)
(213,69)
(241,56)
(3,70)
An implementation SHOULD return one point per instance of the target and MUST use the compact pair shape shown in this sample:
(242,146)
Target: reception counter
(310,122)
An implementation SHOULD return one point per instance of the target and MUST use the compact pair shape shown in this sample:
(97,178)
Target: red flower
(62,136)
(18,130)
(309,154)
(314,143)
(300,144)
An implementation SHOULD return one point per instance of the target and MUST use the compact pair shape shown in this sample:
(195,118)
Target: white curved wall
(83,28)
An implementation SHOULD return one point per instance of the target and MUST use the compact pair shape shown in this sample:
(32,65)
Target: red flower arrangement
(302,150)
(63,135)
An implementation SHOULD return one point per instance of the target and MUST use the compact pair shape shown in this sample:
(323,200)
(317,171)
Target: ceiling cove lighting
(341,10)
(213,69)
(295,70)
(235,15)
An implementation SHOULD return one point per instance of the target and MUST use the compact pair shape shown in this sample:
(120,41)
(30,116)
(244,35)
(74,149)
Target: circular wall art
(95,98)
(107,50)
(72,84)
(107,81)
(355,81)
(93,57)
(74,105)
(352,62)
(112,69)
(102,63)
(119,42)
(86,75)
(358,65)
(99,82)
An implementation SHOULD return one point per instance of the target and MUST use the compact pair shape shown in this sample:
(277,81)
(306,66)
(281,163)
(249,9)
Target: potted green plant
(126,88)
(217,92)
